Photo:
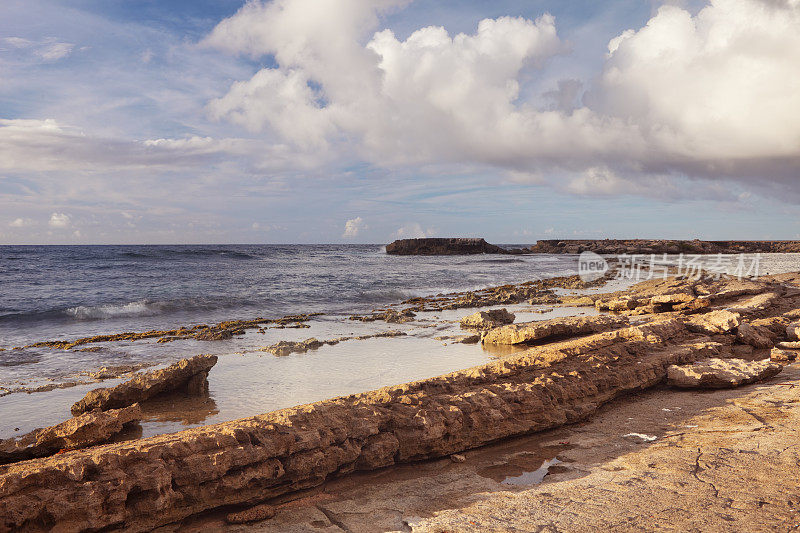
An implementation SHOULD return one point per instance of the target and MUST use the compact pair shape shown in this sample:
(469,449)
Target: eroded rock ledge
(189,375)
(142,484)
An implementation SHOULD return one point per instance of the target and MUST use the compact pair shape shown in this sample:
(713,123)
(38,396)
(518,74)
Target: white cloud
(353,227)
(412,231)
(55,51)
(59,220)
(20,222)
(722,84)
(47,145)
(711,94)
(17,42)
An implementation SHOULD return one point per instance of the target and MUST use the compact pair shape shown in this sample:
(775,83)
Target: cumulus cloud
(59,220)
(353,227)
(711,94)
(721,85)
(20,222)
(412,231)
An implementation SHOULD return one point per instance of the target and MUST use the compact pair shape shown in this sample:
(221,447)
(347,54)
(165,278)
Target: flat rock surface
(188,374)
(529,332)
(720,373)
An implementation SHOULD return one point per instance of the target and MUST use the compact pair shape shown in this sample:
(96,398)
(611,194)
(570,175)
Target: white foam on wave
(130,309)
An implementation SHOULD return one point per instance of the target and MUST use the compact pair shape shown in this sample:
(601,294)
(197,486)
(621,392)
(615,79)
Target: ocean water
(66,292)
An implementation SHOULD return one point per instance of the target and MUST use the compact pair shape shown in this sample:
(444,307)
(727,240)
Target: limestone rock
(720,373)
(793,331)
(214,334)
(289,347)
(529,332)
(254,514)
(779,354)
(617,304)
(188,375)
(140,485)
(715,322)
(87,429)
(487,319)
(755,336)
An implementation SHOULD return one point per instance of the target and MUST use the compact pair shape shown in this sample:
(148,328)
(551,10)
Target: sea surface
(67,292)
(50,292)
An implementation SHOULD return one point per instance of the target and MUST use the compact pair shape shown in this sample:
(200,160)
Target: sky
(363,121)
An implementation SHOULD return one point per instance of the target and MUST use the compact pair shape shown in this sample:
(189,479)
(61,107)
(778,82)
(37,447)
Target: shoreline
(556,383)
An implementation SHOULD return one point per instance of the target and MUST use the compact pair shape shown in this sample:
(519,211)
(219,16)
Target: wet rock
(469,339)
(392,316)
(783,356)
(188,375)
(213,334)
(487,319)
(254,514)
(87,429)
(715,322)
(755,336)
(720,373)
(442,246)
(283,348)
(529,332)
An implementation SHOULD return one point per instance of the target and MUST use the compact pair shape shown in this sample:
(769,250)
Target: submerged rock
(188,375)
(720,373)
(528,332)
(487,319)
(88,429)
(213,334)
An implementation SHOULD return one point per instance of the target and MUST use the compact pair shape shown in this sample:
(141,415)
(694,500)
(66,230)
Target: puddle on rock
(533,477)
(525,468)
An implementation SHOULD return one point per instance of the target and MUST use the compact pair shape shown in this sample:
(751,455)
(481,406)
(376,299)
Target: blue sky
(363,121)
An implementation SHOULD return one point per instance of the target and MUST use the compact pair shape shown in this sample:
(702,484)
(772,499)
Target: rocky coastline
(570,368)
(465,246)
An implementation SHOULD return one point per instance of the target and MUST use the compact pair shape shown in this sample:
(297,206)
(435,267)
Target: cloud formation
(707,95)
(353,227)
(59,220)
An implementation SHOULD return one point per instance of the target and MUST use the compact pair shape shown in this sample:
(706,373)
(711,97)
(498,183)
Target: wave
(130,309)
(133,309)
